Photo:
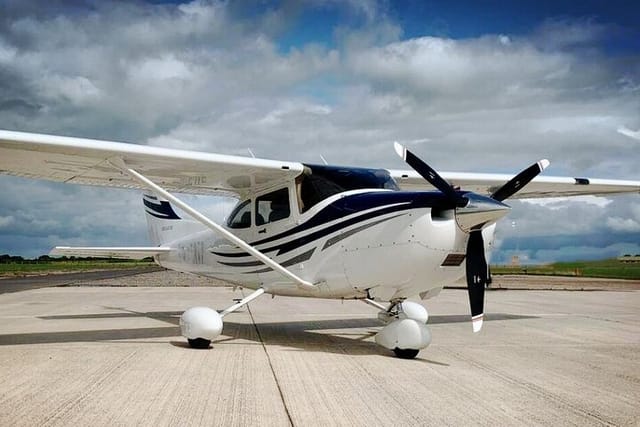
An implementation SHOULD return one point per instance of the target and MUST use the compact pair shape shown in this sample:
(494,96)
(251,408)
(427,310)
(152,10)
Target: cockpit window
(241,216)
(319,182)
(272,207)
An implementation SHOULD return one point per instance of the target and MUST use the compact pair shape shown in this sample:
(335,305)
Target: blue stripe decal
(162,210)
(364,201)
(309,238)
(399,201)
(242,264)
(335,239)
(295,260)
(303,240)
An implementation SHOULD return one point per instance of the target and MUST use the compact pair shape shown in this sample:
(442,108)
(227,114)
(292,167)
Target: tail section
(158,208)
(164,224)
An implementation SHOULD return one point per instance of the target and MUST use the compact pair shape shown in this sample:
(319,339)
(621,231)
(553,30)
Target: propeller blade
(427,172)
(477,277)
(517,182)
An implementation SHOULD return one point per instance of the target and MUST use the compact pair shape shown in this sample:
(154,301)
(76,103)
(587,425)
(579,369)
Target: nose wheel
(199,343)
(406,353)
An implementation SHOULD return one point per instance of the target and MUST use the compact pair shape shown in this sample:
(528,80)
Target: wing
(539,187)
(86,161)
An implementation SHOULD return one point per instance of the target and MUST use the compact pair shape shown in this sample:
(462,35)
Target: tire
(406,353)
(199,343)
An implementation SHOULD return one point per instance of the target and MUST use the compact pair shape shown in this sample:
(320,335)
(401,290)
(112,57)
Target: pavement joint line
(273,372)
(534,388)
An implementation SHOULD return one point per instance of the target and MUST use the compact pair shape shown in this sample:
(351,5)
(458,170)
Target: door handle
(264,230)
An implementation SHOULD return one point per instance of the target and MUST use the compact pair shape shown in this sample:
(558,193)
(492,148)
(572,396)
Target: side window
(241,216)
(272,207)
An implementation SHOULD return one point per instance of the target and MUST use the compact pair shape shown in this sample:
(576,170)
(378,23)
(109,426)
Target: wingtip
(400,150)
(543,164)
(476,322)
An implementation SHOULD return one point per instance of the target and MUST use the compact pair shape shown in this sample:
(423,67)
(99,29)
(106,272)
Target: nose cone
(479,212)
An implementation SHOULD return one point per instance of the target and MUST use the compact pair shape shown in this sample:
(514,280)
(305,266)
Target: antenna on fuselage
(251,152)
(324,160)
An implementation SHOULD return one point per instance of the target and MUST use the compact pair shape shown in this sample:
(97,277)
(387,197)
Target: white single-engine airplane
(380,236)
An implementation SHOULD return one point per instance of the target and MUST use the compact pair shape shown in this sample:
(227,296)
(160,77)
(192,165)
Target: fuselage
(363,243)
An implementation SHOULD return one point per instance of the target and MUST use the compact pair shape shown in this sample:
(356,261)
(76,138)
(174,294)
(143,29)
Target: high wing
(539,187)
(88,161)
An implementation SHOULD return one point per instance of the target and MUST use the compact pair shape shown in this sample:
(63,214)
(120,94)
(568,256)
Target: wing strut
(212,225)
(246,300)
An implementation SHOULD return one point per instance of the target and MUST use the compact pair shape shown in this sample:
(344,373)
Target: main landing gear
(406,332)
(201,325)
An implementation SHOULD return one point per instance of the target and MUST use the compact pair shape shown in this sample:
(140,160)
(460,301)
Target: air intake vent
(453,260)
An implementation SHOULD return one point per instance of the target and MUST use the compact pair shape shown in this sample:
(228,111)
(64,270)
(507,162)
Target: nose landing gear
(406,332)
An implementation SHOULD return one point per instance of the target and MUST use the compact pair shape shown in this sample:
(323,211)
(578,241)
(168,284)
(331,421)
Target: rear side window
(272,207)
(241,216)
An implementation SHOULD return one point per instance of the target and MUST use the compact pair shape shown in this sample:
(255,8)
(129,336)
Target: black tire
(406,353)
(199,343)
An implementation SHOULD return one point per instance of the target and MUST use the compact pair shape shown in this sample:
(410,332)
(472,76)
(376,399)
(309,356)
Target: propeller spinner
(473,212)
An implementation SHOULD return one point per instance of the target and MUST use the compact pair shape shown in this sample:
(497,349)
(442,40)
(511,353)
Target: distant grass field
(607,269)
(37,266)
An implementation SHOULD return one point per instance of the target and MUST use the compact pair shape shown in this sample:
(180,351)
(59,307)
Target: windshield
(241,215)
(319,182)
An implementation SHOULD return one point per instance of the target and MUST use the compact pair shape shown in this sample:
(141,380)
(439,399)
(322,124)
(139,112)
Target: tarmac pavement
(110,355)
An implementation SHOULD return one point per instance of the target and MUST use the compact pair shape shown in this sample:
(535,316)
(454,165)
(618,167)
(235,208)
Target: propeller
(473,212)
(517,182)
(428,173)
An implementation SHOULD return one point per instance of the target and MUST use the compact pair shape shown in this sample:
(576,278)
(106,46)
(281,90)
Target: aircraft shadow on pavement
(324,335)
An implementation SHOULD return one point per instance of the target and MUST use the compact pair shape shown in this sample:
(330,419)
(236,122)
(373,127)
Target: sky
(477,86)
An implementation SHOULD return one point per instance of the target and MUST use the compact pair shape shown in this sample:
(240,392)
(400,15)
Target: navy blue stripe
(303,240)
(316,235)
(295,260)
(339,237)
(348,206)
(242,264)
(309,238)
(361,202)
(327,244)
(162,210)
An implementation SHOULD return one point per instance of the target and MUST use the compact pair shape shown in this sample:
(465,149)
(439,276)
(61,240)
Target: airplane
(307,230)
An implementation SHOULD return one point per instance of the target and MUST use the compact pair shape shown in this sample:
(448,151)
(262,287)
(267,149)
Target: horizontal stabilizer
(107,252)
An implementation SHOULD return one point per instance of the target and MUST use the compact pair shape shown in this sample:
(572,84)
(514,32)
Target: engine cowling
(200,323)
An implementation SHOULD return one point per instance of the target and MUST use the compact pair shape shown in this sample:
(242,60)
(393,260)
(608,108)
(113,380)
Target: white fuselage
(359,244)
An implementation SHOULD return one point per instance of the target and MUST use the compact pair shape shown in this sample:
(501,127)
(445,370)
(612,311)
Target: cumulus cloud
(623,224)
(630,133)
(205,75)
(570,228)
(6,221)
